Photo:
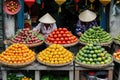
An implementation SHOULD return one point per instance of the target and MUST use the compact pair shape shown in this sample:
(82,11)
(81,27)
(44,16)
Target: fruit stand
(55,57)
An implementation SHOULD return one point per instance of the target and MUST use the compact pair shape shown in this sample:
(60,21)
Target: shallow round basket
(118,61)
(34,45)
(16,65)
(9,12)
(101,44)
(116,42)
(30,45)
(64,45)
(54,65)
(94,66)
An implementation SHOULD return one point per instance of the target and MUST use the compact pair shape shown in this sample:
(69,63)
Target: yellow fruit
(55,54)
(17,54)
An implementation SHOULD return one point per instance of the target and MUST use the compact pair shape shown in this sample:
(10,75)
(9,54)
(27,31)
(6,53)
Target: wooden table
(39,67)
(78,69)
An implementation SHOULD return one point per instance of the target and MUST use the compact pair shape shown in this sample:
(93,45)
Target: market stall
(67,55)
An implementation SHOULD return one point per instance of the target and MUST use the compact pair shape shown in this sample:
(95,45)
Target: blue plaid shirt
(82,27)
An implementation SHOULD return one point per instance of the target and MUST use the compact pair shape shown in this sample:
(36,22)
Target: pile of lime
(93,54)
(95,35)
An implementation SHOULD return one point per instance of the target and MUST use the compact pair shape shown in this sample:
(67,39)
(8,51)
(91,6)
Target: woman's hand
(79,33)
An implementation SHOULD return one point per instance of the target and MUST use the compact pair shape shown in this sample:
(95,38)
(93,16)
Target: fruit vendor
(46,26)
(86,21)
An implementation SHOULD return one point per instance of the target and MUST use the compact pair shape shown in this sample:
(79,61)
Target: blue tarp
(103,21)
(20,16)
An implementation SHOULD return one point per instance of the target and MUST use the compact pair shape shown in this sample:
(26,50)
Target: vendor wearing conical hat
(47,25)
(86,21)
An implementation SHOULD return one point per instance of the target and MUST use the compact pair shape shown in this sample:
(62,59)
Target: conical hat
(87,16)
(47,18)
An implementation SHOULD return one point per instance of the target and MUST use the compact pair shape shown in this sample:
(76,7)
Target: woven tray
(116,42)
(54,65)
(95,66)
(30,45)
(16,65)
(101,44)
(65,45)
(118,61)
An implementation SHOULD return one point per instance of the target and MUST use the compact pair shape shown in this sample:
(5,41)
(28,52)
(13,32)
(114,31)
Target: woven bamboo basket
(118,61)
(54,65)
(64,45)
(30,45)
(94,66)
(18,65)
(101,44)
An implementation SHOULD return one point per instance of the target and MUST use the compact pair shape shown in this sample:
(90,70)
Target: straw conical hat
(47,18)
(87,16)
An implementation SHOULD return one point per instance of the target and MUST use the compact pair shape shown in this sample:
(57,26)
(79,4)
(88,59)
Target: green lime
(95,43)
(105,52)
(86,59)
(90,45)
(87,51)
(85,55)
(95,48)
(83,62)
(81,53)
(89,55)
(83,48)
(86,47)
(90,48)
(84,51)
(102,54)
(97,62)
(77,54)
(96,51)
(98,55)
(109,58)
(98,47)
(102,49)
(106,61)
(77,58)
(99,59)
(82,58)
(94,55)
(99,51)
(92,63)
(91,52)
(103,58)
(91,60)
(88,62)
(102,63)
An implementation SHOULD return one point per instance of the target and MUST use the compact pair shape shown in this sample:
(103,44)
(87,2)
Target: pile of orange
(55,54)
(17,54)
(116,55)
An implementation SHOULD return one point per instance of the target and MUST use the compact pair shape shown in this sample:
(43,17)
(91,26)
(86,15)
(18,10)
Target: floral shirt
(82,27)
